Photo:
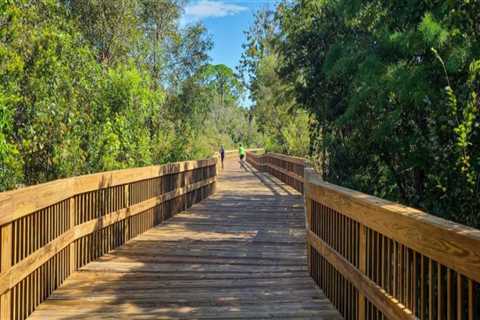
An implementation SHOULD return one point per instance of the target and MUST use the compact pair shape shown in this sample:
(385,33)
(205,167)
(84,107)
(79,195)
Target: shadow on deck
(239,254)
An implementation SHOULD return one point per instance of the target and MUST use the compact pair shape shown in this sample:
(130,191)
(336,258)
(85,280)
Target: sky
(226,21)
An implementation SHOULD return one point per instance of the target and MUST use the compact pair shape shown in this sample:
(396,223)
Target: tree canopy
(392,87)
(95,85)
(382,96)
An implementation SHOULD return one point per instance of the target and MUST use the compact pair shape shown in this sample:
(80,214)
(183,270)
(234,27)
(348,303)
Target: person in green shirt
(241,151)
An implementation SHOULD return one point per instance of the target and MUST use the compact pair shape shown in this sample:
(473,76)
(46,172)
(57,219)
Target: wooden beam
(19,203)
(19,271)
(6,235)
(285,172)
(451,244)
(362,262)
(292,159)
(389,306)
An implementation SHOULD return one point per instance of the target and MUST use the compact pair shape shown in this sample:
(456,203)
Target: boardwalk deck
(238,255)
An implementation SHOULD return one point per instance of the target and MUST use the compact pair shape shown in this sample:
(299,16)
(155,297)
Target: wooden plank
(308,218)
(292,159)
(205,263)
(453,245)
(389,306)
(22,269)
(362,266)
(459,296)
(286,172)
(6,235)
(470,303)
(72,214)
(18,203)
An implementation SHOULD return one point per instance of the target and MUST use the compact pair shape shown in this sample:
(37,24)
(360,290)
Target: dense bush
(88,85)
(394,90)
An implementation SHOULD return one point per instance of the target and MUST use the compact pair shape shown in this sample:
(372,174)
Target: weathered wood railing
(52,229)
(287,169)
(376,259)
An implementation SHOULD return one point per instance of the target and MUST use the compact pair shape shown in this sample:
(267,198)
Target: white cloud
(208,9)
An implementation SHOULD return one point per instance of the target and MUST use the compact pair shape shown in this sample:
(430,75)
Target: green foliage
(386,123)
(107,26)
(283,128)
(296,134)
(393,117)
(432,32)
(96,85)
(10,166)
(43,77)
(125,109)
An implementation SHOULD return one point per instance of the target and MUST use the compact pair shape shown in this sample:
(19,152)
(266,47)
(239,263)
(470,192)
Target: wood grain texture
(453,245)
(288,169)
(388,305)
(408,258)
(42,246)
(12,276)
(18,203)
(240,254)
(5,266)
(285,172)
(297,160)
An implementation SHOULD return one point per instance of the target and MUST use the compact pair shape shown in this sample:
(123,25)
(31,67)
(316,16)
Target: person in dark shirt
(222,154)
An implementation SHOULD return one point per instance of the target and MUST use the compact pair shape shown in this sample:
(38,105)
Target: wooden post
(73,265)
(217,165)
(308,221)
(6,263)
(127,220)
(214,183)
(185,186)
(362,267)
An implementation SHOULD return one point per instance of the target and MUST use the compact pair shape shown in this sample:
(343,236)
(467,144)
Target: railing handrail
(401,262)
(463,240)
(56,227)
(293,159)
(466,238)
(15,204)
(263,162)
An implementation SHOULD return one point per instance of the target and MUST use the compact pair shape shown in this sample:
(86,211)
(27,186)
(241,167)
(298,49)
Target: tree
(187,53)
(387,125)
(284,127)
(85,87)
(160,24)
(109,26)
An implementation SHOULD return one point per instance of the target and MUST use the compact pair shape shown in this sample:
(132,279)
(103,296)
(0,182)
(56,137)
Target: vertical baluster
(449,294)
(470,299)
(414,284)
(430,289)
(459,297)
(440,314)
(6,235)
(362,267)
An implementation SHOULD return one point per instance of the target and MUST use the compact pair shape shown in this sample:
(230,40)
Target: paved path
(239,254)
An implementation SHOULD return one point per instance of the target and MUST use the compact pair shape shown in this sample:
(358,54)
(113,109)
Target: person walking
(222,155)
(241,151)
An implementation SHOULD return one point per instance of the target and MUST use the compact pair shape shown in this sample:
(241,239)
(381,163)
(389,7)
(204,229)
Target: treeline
(94,85)
(393,91)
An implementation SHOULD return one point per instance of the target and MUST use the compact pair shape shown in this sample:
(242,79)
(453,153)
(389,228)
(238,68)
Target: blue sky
(226,21)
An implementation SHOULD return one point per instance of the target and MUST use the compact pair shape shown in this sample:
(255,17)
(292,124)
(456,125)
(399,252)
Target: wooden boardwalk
(239,254)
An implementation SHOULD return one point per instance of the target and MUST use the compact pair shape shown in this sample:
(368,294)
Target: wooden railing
(52,229)
(286,168)
(376,259)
